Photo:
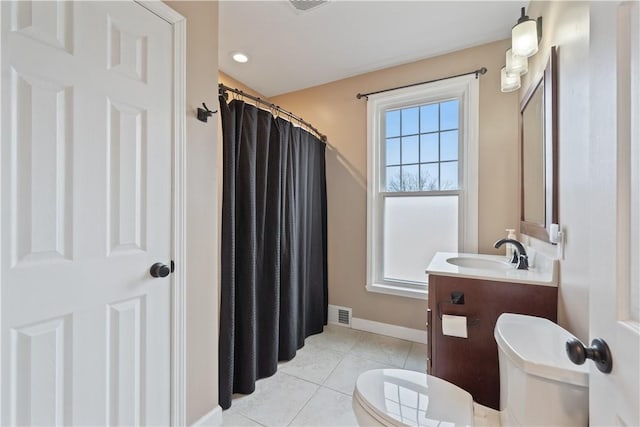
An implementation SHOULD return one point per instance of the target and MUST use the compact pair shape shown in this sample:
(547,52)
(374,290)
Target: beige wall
(566,25)
(231,82)
(335,111)
(202,208)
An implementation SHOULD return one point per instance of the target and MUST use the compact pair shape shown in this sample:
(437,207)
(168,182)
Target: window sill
(399,291)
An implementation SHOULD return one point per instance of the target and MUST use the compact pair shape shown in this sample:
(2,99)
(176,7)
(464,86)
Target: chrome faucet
(520,257)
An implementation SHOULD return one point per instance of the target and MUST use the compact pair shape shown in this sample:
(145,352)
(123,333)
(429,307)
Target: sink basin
(543,270)
(481,263)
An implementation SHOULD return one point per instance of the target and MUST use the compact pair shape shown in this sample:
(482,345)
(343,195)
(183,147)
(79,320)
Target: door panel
(127,148)
(40,177)
(86,210)
(126,366)
(41,362)
(50,23)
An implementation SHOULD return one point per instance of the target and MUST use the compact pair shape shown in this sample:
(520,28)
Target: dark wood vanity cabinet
(472,363)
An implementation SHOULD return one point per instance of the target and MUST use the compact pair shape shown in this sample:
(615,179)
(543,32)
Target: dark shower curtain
(274,244)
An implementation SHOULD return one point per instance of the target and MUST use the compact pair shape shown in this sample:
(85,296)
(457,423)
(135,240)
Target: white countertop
(544,270)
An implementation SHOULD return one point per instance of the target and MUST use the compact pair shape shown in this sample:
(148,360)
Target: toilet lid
(406,398)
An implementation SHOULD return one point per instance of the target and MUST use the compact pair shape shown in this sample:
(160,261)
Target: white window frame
(466,90)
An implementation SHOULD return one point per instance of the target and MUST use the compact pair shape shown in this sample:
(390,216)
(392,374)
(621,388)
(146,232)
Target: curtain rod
(482,70)
(224,88)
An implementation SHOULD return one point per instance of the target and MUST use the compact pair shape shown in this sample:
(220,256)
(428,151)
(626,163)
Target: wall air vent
(339,315)
(305,5)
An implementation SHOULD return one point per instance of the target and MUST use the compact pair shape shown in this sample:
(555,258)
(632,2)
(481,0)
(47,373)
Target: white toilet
(539,386)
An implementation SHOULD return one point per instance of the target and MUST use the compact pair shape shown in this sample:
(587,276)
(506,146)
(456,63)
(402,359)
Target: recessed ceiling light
(240,57)
(305,5)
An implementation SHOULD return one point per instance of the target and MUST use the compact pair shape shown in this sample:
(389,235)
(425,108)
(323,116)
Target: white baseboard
(415,335)
(212,418)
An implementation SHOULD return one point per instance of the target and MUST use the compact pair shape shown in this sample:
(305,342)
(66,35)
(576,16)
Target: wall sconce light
(509,82)
(525,35)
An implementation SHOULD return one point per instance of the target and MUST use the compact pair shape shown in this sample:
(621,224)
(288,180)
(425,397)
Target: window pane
(429,118)
(429,177)
(449,115)
(449,145)
(392,123)
(415,228)
(409,121)
(429,148)
(393,151)
(410,178)
(393,179)
(449,176)
(424,161)
(410,152)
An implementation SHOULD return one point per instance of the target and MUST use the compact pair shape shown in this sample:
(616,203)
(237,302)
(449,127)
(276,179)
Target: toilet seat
(406,398)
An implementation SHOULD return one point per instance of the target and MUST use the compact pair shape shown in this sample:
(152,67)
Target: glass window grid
(400,136)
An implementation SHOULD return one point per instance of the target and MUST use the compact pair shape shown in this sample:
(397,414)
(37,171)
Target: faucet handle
(523,262)
(515,258)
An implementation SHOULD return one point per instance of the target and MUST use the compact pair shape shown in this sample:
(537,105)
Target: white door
(614,151)
(86,210)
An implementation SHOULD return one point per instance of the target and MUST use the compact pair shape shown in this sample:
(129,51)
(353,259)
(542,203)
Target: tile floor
(315,387)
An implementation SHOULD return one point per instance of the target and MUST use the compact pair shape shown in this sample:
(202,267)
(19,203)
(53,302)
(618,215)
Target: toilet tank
(538,384)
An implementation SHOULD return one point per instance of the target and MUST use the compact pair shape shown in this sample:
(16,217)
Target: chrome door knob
(598,352)
(159,270)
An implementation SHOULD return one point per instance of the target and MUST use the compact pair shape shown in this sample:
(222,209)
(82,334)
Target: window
(422,181)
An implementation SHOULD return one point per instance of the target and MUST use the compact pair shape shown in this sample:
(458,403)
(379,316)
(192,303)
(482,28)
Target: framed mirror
(538,155)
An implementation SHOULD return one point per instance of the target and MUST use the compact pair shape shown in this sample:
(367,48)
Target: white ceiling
(290,50)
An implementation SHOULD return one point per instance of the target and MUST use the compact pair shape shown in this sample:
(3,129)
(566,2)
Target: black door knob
(159,270)
(598,352)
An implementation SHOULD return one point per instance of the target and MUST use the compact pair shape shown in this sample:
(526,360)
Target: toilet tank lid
(537,346)
(407,398)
